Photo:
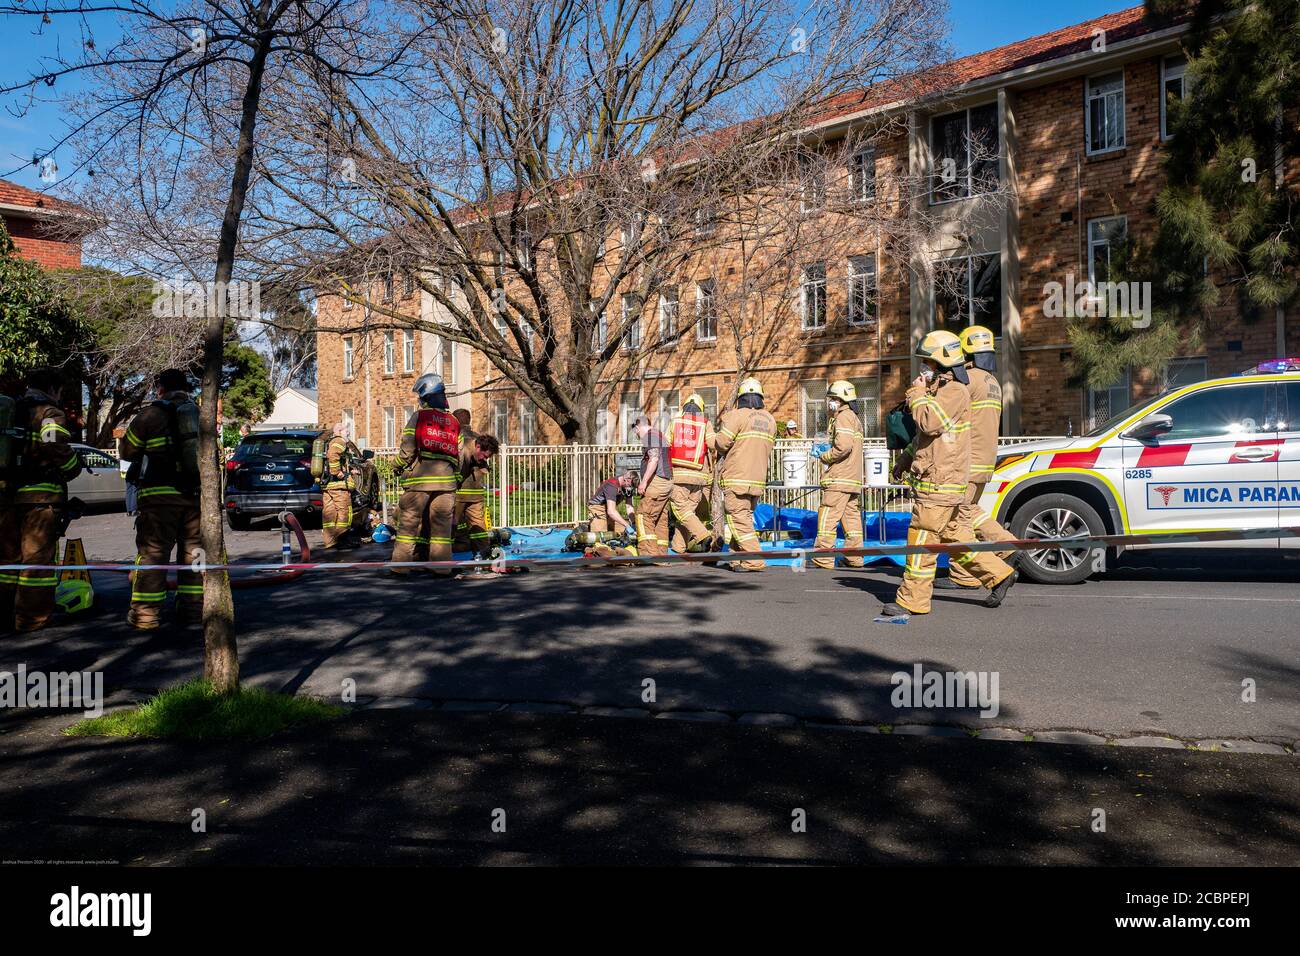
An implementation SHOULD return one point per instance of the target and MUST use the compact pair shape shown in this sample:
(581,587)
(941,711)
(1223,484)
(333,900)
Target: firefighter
(691,455)
(156,443)
(476,453)
(937,466)
(986,417)
(33,501)
(745,437)
(427,460)
(365,491)
(602,507)
(336,489)
(655,490)
(841,476)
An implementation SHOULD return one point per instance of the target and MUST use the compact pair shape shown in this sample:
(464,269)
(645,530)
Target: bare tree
(167,126)
(545,169)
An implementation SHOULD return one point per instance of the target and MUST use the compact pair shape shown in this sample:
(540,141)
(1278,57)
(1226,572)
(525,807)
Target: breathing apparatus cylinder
(12,435)
(318,456)
(187,424)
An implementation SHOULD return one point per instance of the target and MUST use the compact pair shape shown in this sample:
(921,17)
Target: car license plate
(272,477)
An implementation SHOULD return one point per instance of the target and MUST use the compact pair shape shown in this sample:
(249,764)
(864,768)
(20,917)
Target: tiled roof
(1122,25)
(11,194)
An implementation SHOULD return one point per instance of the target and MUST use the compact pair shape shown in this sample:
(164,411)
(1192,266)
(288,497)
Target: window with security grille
(862,290)
(813,290)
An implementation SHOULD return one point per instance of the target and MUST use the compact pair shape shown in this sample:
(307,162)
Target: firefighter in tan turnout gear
(841,476)
(986,419)
(336,489)
(470,522)
(427,459)
(691,454)
(37,465)
(655,488)
(937,466)
(162,445)
(745,437)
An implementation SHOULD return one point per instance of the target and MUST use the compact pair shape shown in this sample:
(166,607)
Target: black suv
(270,472)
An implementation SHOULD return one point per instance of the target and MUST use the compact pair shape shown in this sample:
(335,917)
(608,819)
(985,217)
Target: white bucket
(877,467)
(794,468)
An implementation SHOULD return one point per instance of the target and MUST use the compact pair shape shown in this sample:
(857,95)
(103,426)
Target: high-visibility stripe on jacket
(986,422)
(420,473)
(940,454)
(149,436)
(49,461)
(686,472)
(843,460)
(472,475)
(745,436)
(337,465)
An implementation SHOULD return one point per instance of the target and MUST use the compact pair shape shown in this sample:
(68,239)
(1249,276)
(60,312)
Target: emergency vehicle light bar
(1273,366)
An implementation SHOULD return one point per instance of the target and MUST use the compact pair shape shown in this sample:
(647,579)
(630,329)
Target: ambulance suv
(1220,454)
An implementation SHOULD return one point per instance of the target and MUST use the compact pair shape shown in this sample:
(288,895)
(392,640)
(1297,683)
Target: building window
(868,404)
(668,313)
(862,176)
(444,358)
(706,221)
(968,291)
(390,426)
(388,287)
(501,420)
(1105,238)
(408,284)
(862,290)
(629,410)
(527,422)
(347,304)
(964,147)
(812,407)
(600,334)
(390,353)
(630,313)
(630,235)
(1182,372)
(350,424)
(524,246)
(710,396)
(349,358)
(1107,402)
(812,191)
(1174,88)
(1105,127)
(706,312)
(408,350)
(813,295)
(669,408)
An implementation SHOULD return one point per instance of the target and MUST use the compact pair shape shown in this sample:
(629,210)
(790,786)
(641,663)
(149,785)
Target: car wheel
(238,522)
(1056,516)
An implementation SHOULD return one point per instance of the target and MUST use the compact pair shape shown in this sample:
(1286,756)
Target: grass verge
(192,711)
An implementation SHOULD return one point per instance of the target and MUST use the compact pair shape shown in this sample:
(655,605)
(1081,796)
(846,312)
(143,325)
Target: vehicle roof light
(1273,366)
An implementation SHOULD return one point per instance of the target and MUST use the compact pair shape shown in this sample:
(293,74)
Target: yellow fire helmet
(695,399)
(843,390)
(943,348)
(976,338)
(750,386)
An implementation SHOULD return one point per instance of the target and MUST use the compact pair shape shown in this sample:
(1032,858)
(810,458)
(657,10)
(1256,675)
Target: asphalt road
(1161,646)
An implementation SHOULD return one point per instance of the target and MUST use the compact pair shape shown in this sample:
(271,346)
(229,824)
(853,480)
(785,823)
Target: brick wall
(34,242)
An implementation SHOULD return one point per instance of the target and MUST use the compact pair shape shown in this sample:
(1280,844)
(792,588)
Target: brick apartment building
(35,221)
(1080,128)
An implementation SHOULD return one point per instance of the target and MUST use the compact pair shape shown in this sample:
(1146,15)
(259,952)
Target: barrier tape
(1079,542)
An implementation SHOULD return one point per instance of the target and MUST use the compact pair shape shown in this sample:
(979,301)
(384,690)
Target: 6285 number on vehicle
(1138,473)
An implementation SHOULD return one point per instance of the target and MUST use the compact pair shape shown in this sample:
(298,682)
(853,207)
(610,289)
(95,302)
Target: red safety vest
(437,434)
(687,449)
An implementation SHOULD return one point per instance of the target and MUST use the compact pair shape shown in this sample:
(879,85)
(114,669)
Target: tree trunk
(220,651)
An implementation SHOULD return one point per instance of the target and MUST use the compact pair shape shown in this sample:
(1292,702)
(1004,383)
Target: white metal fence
(538,486)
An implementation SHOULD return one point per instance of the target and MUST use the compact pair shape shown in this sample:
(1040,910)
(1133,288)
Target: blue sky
(976,25)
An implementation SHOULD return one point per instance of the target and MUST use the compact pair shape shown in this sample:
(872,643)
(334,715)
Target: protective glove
(819,449)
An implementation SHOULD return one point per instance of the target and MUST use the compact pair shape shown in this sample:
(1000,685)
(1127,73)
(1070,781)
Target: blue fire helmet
(429,385)
(382,534)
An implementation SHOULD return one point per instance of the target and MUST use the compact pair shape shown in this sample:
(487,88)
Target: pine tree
(1228,221)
